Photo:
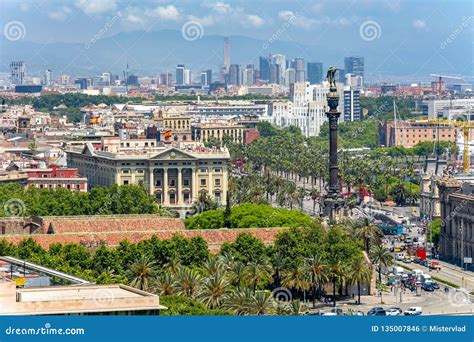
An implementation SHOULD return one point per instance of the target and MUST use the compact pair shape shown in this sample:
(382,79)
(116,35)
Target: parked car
(428,287)
(435,285)
(393,312)
(377,311)
(413,311)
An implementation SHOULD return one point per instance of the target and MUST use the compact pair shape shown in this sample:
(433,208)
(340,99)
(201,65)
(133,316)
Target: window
(158,182)
(125,182)
(217,182)
(186,182)
(172,182)
(203,182)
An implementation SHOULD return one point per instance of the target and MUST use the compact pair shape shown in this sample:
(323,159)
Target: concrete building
(449,109)
(176,175)
(354,65)
(408,134)
(17,72)
(305,109)
(218,129)
(457,211)
(30,289)
(54,178)
(315,72)
(352,107)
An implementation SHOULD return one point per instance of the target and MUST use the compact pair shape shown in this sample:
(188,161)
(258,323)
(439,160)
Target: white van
(413,311)
(427,279)
(397,270)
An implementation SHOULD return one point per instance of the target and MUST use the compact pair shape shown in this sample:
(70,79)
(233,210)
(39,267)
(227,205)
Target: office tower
(352,108)
(275,74)
(235,74)
(180,74)
(264,68)
(249,75)
(166,78)
(315,72)
(300,74)
(354,81)
(354,65)
(280,60)
(83,82)
(65,79)
(290,75)
(340,75)
(187,76)
(106,78)
(132,80)
(48,77)
(204,81)
(17,72)
(226,64)
(209,76)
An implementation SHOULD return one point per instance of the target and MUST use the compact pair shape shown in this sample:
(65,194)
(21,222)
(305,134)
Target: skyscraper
(180,74)
(298,65)
(315,72)
(280,60)
(48,77)
(206,77)
(352,108)
(275,74)
(235,74)
(354,65)
(226,54)
(264,68)
(17,72)
(249,75)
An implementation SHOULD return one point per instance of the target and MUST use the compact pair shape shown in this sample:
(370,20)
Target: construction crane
(440,81)
(466,126)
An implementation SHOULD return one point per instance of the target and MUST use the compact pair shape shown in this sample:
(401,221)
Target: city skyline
(398,39)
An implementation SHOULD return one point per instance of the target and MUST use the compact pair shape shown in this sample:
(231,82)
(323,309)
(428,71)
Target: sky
(424,30)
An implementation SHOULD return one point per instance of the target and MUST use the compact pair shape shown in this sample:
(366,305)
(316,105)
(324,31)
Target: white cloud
(135,19)
(96,6)
(254,20)
(419,24)
(220,7)
(298,20)
(60,14)
(169,12)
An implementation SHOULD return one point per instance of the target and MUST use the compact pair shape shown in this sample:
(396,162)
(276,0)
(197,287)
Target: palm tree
(314,194)
(141,273)
(380,256)
(359,273)
(336,274)
(239,301)
(215,289)
(262,303)
(237,273)
(368,233)
(165,284)
(295,276)
(297,307)
(213,265)
(316,266)
(278,263)
(188,282)
(257,271)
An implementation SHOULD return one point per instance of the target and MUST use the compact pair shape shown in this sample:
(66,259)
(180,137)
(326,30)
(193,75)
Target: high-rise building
(275,74)
(209,76)
(290,76)
(341,75)
(180,74)
(264,68)
(187,76)
(249,75)
(354,81)
(83,82)
(166,78)
(226,64)
(132,80)
(354,65)
(352,108)
(204,80)
(300,74)
(280,60)
(235,74)
(48,77)
(315,72)
(64,79)
(17,72)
